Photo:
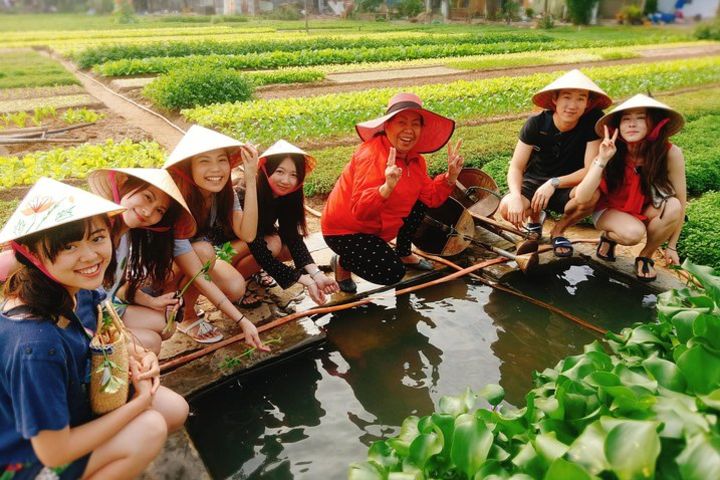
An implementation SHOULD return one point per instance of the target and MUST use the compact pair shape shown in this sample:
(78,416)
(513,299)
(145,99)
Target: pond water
(313,415)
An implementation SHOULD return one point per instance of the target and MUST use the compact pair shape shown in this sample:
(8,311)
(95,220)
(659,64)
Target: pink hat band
(403,106)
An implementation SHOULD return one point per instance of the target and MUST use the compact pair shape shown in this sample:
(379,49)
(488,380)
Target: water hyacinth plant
(644,404)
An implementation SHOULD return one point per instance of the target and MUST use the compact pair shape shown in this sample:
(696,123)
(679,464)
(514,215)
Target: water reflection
(312,416)
(391,364)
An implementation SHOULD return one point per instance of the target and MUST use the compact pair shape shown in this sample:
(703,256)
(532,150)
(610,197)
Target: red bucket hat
(436,130)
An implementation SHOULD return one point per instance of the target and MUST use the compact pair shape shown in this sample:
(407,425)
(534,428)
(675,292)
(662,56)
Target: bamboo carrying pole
(527,298)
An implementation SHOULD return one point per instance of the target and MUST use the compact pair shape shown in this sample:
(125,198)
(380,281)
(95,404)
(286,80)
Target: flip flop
(536,229)
(245,303)
(203,327)
(263,279)
(562,242)
(610,255)
(646,264)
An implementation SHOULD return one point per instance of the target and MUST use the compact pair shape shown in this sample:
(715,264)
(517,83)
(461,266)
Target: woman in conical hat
(143,236)
(384,190)
(282,171)
(201,164)
(61,237)
(641,178)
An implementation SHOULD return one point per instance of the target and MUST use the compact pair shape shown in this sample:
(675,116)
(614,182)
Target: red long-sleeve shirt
(355,204)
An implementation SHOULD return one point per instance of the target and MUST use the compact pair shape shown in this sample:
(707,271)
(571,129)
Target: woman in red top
(643,190)
(384,191)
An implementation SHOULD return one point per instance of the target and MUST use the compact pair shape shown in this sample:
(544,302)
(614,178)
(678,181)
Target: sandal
(645,269)
(263,279)
(199,331)
(562,242)
(536,229)
(347,285)
(247,300)
(609,256)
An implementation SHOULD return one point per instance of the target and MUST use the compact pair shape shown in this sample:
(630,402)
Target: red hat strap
(656,131)
(32,258)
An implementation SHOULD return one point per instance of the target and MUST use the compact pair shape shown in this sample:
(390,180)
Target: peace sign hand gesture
(607,146)
(455,162)
(392,171)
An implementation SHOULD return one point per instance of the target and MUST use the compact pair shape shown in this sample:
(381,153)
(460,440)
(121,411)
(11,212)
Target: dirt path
(163,132)
(404,78)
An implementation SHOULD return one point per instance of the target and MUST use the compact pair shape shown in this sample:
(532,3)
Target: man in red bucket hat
(553,150)
(384,191)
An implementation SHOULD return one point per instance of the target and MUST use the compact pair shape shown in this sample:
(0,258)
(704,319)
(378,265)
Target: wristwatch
(555,182)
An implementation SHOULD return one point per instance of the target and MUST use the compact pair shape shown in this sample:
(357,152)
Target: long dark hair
(151,252)
(288,210)
(44,297)
(654,169)
(194,199)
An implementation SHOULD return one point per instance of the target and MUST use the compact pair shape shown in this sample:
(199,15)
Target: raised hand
(455,161)
(392,171)
(607,146)
(249,155)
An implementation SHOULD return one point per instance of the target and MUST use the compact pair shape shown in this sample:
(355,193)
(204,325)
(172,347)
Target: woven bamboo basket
(103,351)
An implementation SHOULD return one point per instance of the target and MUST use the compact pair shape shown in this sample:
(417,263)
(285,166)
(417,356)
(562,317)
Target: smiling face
(211,170)
(570,104)
(285,177)
(634,125)
(145,207)
(403,130)
(81,264)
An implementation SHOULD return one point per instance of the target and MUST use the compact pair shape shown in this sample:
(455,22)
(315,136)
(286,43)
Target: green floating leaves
(632,447)
(644,408)
(471,444)
(701,459)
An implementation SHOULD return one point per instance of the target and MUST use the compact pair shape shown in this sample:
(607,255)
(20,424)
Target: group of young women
(143,233)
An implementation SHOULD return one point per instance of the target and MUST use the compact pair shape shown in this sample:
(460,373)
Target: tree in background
(580,11)
(124,12)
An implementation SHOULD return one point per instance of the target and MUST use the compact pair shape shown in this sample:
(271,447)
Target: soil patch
(112,127)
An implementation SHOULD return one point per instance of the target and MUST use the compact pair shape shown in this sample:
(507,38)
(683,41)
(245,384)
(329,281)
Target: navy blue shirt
(44,372)
(557,153)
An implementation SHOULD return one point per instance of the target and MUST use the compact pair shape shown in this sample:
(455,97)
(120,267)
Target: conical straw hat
(49,204)
(436,130)
(643,101)
(199,140)
(156,177)
(282,147)
(575,80)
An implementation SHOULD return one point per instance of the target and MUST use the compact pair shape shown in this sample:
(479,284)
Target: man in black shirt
(552,152)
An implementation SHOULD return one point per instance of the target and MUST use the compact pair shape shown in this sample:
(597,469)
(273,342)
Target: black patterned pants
(370,257)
